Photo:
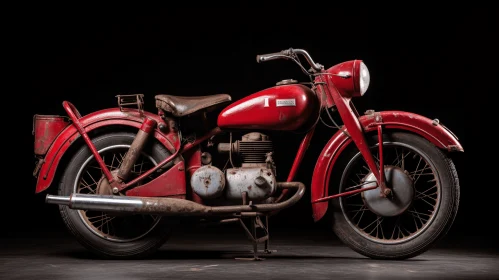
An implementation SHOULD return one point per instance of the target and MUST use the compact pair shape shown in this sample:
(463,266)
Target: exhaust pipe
(166,206)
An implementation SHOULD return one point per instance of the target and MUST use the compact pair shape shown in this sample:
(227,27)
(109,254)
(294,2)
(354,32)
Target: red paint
(381,182)
(201,139)
(170,183)
(178,150)
(192,162)
(148,125)
(150,171)
(74,115)
(261,111)
(353,127)
(305,143)
(345,77)
(323,91)
(322,171)
(102,118)
(45,130)
(436,134)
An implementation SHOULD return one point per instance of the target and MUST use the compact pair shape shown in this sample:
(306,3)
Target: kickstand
(267,242)
(256,223)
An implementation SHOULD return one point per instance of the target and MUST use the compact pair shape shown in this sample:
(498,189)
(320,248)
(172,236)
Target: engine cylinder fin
(254,151)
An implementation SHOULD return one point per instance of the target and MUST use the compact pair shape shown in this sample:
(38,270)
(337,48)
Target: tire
(79,222)
(428,228)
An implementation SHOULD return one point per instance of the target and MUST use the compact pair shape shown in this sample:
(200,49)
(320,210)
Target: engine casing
(256,176)
(208,182)
(258,182)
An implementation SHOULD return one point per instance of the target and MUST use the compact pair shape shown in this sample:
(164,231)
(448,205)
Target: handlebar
(289,54)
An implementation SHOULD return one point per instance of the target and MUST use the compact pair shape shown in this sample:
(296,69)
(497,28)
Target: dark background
(422,60)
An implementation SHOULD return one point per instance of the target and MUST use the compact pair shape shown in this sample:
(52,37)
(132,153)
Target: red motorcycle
(123,175)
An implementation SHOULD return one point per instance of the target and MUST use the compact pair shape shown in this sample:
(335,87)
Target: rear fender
(432,130)
(95,120)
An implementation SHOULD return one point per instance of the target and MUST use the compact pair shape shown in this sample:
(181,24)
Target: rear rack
(131,100)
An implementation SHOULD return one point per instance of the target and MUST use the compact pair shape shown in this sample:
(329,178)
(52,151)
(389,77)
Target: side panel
(432,130)
(285,107)
(107,117)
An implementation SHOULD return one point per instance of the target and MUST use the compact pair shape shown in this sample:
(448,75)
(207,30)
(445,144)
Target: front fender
(432,130)
(102,118)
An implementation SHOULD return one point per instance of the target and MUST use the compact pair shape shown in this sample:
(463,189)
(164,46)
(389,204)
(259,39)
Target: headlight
(364,78)
(351,78)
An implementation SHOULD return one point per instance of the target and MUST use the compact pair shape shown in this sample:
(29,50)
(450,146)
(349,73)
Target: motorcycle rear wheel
(422,207)
(109,235)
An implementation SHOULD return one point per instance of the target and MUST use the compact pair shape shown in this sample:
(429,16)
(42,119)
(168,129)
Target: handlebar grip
(270,56)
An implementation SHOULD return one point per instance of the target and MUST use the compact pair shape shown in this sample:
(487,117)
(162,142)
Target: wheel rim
(414,218)
(117,228)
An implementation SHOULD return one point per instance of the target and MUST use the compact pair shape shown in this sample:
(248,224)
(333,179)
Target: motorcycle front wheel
(106,234)
(419,211)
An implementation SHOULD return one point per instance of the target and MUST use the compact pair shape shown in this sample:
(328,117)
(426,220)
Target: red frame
(355,129)
(90,122)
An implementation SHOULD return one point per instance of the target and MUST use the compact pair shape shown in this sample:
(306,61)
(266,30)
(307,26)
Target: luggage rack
(131,100)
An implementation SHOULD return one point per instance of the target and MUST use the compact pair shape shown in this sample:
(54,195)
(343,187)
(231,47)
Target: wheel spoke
(400,161)
(366,219)
(419,162)
(429,203)
(121,227)
(420,195)
(112,161)
(95,182)
(375,221)
(86,186)
(419,174)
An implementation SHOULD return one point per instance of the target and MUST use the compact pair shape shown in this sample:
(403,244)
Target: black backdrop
(422,61)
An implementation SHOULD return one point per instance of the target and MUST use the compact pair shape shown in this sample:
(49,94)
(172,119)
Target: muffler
(166,206)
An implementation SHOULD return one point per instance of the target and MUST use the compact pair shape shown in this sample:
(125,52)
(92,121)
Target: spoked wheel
(419,211)
(112,234)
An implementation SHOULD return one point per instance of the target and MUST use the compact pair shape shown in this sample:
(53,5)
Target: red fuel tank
(284,107)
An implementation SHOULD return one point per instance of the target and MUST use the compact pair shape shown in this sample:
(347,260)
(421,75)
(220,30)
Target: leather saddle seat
(180,106)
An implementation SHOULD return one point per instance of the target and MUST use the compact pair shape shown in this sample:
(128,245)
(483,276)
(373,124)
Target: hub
(401,196)
(103,187)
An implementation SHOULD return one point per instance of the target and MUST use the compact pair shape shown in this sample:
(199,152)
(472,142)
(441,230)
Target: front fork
(355,130)
(385,191)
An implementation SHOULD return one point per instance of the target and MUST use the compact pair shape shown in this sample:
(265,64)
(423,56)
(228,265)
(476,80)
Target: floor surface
(211,254)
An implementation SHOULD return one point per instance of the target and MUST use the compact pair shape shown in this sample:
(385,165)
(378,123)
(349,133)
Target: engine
(255,178)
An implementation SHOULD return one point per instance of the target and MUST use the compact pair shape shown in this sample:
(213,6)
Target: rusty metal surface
(75,116)
(136,100)
(135,149)
(148,125)
(45,130)
(192,160)
(258,182)
(103,118)
(169,206)
(208,182)
(178,150)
